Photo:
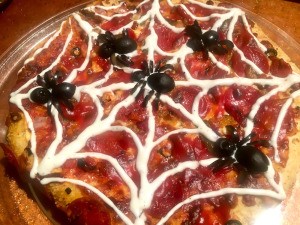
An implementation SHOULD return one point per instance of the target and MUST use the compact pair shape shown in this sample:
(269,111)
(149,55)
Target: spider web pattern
(142,197)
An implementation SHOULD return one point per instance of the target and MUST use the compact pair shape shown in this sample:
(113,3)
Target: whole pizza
(157,112)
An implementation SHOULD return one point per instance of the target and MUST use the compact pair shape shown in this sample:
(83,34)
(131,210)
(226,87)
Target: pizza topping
(110,44)
(53,93)
(248,156)
(271,52)
(208,41)
(156,78)
(68,190)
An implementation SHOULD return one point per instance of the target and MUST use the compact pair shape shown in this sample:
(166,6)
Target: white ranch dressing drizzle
(141,199)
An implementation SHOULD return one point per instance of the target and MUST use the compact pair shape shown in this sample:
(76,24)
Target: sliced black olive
(224,147)
(252,159)
(107,37)
(82,164)
(210,38)
(164,68)
(50,80)
(194,31)
(218,49)
(233,222)
(232,133)
(125,45)
(40,95)
(137,75)
(221,163)
(263,143)
(106,50)
(68,190)
(195,44)
(40,81)
(271,52)
(246,139)
(228,45)
(243,176)
(161,82)
(124,60)
(64,90)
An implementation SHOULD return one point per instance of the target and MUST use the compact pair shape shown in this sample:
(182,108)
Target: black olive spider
(111,44)
(232,150)
(156,78)
(207,41)
(53,93)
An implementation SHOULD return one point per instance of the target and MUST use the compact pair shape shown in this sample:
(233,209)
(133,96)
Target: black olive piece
(106,50)
(209,3)
(157,79)
(218,49)
(76,51)
(53,93)
(161,82)
(125,45)
(68,190)
(252,159)
(271,52)
(242,177)
(210,38)
(40,95)
(263,143)
(107,37)
(137,75)
(64,90)
(81,163)
(224,147)
(221,163)
(194,31)
(245,140)
(233,222)
(232,133)
(4,4)
(228,45)
(124,60)
(195,44)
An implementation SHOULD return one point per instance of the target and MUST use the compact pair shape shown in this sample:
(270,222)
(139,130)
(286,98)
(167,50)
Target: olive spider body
(232,150)
(53,93)
(111,44)
(207,41)
(156,78)
(161,82)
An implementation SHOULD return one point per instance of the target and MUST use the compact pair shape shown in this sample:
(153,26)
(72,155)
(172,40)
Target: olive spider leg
(221,163)
(147,98)
(150,68)
(68,103)
(245,139)
(40,81)
(156,100)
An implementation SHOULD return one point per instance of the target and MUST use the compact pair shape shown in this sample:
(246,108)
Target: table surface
(23,15)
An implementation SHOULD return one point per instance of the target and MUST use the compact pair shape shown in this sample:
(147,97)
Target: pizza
(157,112)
